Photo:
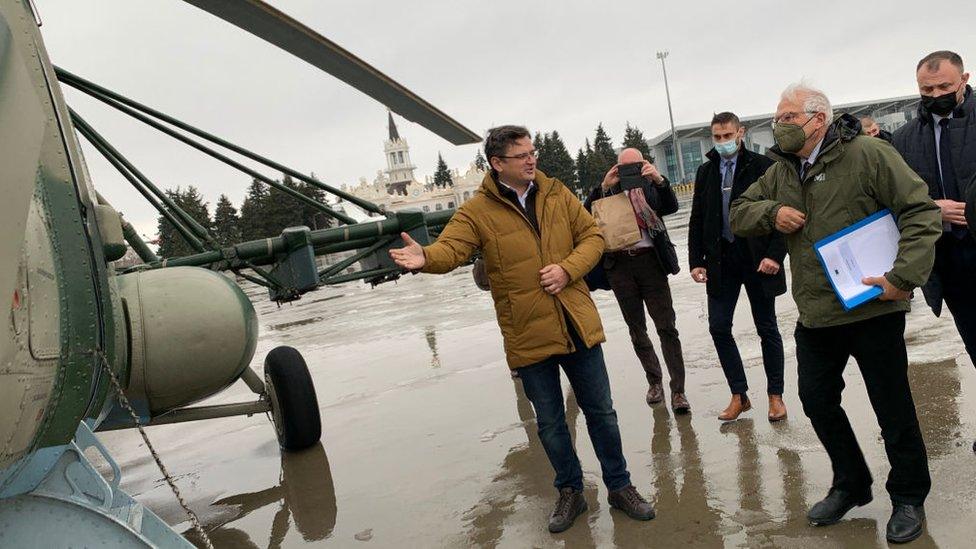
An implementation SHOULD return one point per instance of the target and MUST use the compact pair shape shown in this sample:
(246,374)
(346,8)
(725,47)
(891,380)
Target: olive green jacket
(853,177)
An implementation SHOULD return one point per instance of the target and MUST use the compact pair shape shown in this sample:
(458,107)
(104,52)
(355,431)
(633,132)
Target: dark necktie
(950,187)
(726,198)
(804,170)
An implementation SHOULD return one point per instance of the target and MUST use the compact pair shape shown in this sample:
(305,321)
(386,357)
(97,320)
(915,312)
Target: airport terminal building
(694,140)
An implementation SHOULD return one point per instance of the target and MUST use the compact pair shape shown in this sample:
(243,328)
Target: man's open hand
(411,256)
(553,279)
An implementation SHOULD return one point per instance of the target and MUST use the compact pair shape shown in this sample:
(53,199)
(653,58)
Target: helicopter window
(450,205)
(438,206)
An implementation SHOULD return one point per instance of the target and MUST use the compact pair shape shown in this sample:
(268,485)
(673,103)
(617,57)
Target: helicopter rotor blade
(278,28)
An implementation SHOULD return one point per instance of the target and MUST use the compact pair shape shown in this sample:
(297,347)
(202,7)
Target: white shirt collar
(522,196)
(815,153)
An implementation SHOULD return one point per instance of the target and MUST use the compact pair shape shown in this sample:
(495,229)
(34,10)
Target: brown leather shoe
(679,403)
(777,410)
(739,404)
(655,394)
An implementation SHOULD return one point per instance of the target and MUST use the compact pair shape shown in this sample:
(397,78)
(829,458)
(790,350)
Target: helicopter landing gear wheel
(294,408)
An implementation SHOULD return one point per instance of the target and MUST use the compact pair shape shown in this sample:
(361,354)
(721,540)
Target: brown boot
(777,410)
(739,404)
(679,403)
(655,394)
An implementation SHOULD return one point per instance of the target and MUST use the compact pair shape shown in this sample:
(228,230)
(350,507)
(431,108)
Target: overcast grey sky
(562,66)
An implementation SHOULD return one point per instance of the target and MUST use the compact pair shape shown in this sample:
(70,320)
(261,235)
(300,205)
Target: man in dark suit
(725,263)
(940,145)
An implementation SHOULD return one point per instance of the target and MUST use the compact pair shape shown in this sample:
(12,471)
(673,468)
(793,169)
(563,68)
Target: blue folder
(867,295)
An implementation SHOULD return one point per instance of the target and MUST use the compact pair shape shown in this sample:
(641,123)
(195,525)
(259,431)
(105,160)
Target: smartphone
(630,175)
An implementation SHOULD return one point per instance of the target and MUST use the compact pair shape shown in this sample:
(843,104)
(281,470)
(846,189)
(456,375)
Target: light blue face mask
(728,148)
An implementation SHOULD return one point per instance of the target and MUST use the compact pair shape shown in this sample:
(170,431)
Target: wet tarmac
(428,442)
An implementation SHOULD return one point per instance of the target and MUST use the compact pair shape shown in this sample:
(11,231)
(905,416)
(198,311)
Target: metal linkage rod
(232,163)
(361,274)
(323,240)
(137,243)
(103,94)
(338,267)
(100,146)
(92,134)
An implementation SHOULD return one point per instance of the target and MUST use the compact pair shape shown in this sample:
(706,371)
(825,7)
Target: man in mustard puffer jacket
(537,242)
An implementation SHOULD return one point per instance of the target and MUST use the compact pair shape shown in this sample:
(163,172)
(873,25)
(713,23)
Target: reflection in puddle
(305,494)
(935,389)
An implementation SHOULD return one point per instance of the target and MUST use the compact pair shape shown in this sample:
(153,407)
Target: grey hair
(814,100)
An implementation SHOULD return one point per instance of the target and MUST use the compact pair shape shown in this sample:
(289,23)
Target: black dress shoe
(905,523)
(833,507)
(570,505)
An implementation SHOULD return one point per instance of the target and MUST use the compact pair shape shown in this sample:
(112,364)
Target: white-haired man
(827,176)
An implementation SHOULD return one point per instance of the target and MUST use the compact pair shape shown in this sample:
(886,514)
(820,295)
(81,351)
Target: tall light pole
(674,135)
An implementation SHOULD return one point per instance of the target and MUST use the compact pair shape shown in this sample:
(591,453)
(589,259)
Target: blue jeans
(587,374)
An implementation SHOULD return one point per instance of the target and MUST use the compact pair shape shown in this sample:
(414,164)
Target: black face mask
(940,105)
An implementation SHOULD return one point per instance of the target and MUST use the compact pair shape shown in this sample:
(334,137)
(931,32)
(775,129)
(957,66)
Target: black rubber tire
(294,407)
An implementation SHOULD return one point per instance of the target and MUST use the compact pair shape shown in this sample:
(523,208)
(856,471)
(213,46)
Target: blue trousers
(587,374)
(736,273)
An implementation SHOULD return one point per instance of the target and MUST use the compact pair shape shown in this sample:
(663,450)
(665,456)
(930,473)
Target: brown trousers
(638,282)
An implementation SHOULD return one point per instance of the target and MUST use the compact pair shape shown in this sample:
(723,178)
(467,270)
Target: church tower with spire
(399,169)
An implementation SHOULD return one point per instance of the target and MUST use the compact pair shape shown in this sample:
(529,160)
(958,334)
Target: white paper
(869,250)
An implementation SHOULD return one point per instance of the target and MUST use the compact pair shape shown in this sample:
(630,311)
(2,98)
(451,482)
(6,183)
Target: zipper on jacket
(538,241)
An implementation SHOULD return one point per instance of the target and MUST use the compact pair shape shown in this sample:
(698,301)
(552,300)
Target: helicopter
(89,346)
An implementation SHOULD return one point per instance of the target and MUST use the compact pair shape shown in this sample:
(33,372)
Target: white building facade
(695,140)
(396,188)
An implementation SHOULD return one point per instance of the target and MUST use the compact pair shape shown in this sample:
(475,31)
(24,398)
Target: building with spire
(396,188)
(399,169)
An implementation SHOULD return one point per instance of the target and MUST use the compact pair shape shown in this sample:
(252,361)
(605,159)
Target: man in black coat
(870,127)
(638,277)
(971,207)
(940,145)
(725,263)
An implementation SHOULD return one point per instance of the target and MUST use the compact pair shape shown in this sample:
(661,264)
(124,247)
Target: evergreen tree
(583,175)
(563,168)
(603,148)
(442,177)
(603,157)
(171,243)
(544,154)
(537,143)
(634,138)
(283,210)
(226,224)
(253,221)
(312,217)
(480,163)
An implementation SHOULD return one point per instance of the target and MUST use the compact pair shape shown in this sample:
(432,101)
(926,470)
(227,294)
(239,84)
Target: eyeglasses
(524,156)
(788,117)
